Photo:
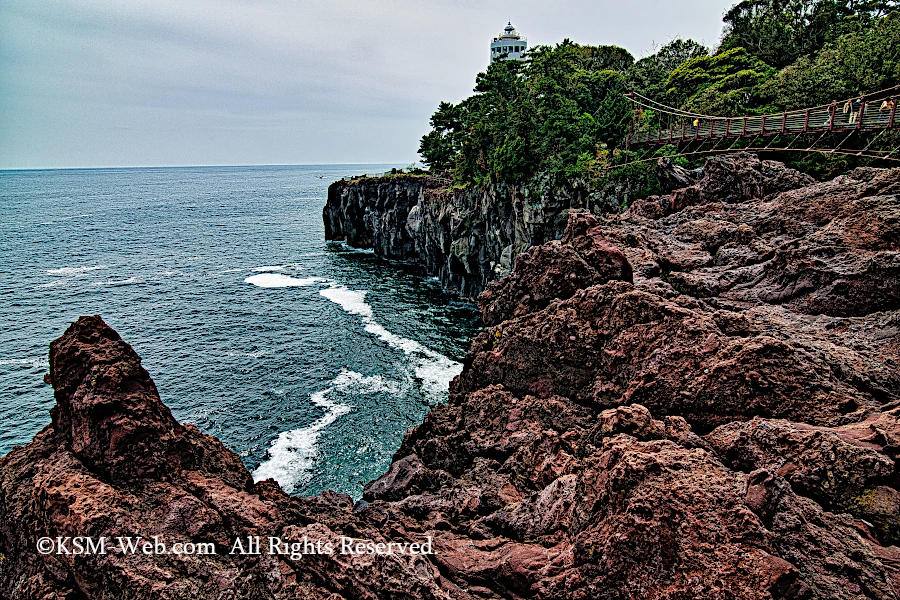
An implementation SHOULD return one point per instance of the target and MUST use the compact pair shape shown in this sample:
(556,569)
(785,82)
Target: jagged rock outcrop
(555,271)
(115,463)
(472,236)
(691,403)
(465,237)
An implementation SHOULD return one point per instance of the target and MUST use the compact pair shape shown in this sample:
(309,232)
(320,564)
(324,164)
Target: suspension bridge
(868,117)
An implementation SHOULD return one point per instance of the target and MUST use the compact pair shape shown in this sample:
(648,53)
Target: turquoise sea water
(309,359)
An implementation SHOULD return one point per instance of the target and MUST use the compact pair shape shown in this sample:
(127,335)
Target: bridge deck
(850,116)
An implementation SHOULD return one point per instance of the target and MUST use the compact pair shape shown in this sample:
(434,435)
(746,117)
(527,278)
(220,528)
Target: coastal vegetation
(549,113)
(563,111)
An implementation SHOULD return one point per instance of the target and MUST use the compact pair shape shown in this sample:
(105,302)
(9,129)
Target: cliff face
(697,398)
(467,238)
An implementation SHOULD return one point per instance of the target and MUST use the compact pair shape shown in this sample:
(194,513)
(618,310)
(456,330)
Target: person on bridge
(887,107)
(854,110)
(848,110)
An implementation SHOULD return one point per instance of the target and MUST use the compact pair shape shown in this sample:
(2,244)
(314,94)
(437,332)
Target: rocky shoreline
(697,398)
(467,237)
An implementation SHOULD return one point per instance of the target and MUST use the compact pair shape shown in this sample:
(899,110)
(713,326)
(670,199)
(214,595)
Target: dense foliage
(563,110)
(552,113)
(650,74)
(860,62)
(778,32)
(721,84)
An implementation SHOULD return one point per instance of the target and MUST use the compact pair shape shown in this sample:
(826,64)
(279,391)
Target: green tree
(649,75)
(438,148)
(778,32)
(856,63)
(554,113)
(722,84)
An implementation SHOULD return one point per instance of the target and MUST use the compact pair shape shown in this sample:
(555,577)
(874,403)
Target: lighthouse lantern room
(509,45)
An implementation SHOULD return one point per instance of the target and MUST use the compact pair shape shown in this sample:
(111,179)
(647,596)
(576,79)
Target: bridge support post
(893,112)
(631,124)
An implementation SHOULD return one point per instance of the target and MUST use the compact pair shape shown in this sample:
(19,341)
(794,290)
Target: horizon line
(206,166)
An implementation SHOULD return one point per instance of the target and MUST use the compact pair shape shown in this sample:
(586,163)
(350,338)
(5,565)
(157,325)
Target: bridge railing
(858,114)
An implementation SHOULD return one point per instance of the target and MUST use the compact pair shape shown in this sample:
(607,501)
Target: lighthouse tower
(509,45)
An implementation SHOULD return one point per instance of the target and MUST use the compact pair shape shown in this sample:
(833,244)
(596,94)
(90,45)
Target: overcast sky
(238,82)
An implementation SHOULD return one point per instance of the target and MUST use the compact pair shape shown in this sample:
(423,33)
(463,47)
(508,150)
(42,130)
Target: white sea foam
(352,301)
(351,381)
(195,416)
(30,362)
(247,354)
(436,372)
(433,368)
(263,269)
(64,219)
(280,280)
(70,271)
(351,250)
(118,282)
(293,453)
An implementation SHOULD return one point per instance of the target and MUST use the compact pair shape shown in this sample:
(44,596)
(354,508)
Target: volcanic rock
(697,400)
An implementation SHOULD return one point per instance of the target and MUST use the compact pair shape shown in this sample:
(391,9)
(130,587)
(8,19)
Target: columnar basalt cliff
(466,237)
(697,398)
(472,236)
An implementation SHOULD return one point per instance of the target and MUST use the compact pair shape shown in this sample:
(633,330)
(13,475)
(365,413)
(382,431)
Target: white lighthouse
(509,45)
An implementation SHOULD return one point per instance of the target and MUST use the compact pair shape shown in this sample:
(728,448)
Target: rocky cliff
(697,398)
(465,237)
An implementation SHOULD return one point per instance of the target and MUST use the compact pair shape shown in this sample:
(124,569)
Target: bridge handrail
(852,114)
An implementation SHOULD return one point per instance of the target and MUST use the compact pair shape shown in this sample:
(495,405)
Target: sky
(101,83)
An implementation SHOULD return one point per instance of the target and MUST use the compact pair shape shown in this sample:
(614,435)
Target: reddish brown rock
(733,178)
(555,271)
(115,463)
(694,401)
(835,470)
(617,343)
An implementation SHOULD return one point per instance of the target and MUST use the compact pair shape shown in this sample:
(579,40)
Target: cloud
(98,82)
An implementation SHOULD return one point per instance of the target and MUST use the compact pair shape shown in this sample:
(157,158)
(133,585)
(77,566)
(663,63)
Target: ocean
(308,358)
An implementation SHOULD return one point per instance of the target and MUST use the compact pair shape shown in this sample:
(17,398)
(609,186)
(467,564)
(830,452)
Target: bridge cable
(832,151)
(873,141)
(672,111)
(818,140)
(796,110)
(672,108)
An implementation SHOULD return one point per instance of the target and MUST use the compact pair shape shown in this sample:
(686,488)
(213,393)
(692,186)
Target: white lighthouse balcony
(508,45)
